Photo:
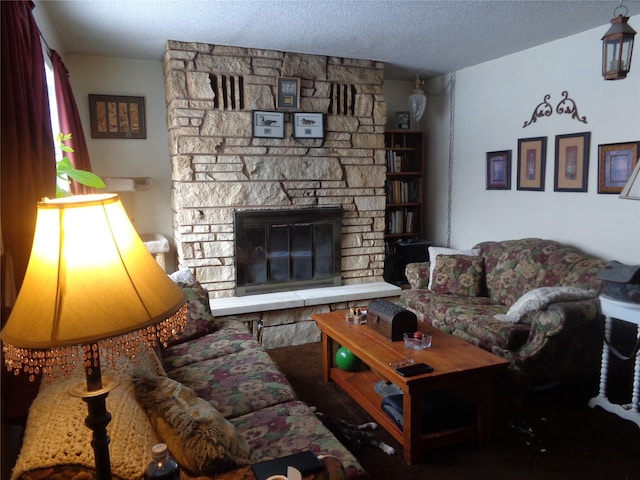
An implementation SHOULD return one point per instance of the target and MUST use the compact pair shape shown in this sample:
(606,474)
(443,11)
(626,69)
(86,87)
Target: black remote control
(415,369)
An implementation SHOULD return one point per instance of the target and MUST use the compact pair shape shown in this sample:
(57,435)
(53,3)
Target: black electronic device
(305,462)
(621,281)
(415,369)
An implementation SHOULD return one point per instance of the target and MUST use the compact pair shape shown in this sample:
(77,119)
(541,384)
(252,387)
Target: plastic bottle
(162,465)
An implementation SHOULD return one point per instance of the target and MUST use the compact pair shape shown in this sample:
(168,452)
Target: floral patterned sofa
(532,301)
(214,396)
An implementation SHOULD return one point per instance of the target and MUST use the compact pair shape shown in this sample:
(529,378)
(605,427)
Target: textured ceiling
(429,36)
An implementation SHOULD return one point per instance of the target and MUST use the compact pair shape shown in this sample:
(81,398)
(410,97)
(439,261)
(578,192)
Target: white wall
(492,102)
(150,209)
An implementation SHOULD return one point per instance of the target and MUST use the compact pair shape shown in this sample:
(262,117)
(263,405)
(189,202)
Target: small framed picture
(532,156)
(615,164)
(288,92)
(308,125)
(572,162)
(403,121)
(499,170)
(268,124)
(117,116)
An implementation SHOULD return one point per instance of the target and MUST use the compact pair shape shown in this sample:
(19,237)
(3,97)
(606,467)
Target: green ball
(347,361)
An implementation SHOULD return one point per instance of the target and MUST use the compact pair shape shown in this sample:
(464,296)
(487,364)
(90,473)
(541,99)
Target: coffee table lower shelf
(360,387)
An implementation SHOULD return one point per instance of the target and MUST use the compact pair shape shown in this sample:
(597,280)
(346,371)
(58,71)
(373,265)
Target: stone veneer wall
(218,168)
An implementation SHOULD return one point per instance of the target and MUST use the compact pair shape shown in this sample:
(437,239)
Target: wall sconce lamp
(617,46)
(91,290)
(417,100)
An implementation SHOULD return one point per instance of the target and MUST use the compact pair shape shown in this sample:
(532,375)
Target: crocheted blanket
(56,436)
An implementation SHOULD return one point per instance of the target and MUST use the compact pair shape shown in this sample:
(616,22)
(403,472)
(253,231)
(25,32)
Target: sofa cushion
(458,275)
(232,336)
(200,319)
(292,427)
(514,267)
(431,308)
(197,435)
(435,251)
(237,383)
(418,274)
(477,325)
(540,298)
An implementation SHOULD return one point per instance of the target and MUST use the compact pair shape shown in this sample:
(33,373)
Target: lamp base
(94,393)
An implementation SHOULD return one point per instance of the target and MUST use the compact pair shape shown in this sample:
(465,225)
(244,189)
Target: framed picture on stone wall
(288,92)
(268,124)
(308,125)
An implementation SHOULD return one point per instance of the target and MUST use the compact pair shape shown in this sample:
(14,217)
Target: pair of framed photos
(616,162)
(571,163)
(269,124)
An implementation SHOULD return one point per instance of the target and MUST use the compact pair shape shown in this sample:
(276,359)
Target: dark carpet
(549,434)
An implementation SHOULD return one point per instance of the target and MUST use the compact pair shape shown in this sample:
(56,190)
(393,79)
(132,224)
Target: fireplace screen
(291,249)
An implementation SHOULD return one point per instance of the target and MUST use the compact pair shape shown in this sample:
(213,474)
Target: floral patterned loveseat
(214,396)
(532,301)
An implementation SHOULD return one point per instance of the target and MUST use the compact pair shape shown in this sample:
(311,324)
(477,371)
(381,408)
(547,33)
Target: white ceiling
(431,37)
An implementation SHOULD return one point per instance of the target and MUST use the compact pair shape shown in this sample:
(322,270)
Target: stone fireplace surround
(219,168)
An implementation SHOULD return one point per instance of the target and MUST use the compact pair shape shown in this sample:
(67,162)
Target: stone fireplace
(220,170)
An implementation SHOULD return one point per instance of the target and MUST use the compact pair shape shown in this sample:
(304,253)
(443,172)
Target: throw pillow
(435,251)
(197,435)
(458,275)
(200,320)
(540,298)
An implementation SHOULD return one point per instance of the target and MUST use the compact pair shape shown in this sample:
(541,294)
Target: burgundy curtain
(28,167)
(28,158)
(69,119)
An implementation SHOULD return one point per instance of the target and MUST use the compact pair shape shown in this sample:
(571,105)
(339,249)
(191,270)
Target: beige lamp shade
(89,279)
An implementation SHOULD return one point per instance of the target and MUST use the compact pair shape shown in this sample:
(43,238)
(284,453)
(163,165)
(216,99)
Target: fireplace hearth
(287,249)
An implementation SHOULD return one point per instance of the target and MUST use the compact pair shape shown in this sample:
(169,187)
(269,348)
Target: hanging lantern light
(617,46)
(417,101)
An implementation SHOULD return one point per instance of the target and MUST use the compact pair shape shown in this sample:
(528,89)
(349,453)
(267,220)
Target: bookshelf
(404,186)
(404,190)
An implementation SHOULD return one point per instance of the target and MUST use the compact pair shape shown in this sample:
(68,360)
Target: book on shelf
(401,221)
(400,191)
(394,162)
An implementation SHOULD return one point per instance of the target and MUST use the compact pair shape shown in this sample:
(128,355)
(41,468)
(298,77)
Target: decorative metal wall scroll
(565,106)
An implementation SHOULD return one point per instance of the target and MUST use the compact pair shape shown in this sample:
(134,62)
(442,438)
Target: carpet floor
(550,434)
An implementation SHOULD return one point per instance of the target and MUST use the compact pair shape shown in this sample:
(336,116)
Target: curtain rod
(46,45)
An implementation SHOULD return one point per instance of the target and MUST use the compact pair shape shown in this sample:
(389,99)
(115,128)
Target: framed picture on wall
(499,170)
(288,92)
(308,125)
(268,124)
(532,157)
(615,164)
(572,162)
(117,116)
(403,121)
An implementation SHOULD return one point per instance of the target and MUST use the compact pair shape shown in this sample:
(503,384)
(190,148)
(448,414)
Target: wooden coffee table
(458,366)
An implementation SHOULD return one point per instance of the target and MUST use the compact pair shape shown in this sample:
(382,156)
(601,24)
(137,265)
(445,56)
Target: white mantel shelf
(302,298)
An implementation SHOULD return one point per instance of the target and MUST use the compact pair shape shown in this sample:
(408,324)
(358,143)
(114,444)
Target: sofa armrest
(417,274)
(565,341)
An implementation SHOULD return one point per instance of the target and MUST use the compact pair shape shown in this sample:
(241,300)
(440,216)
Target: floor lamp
(91,288)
